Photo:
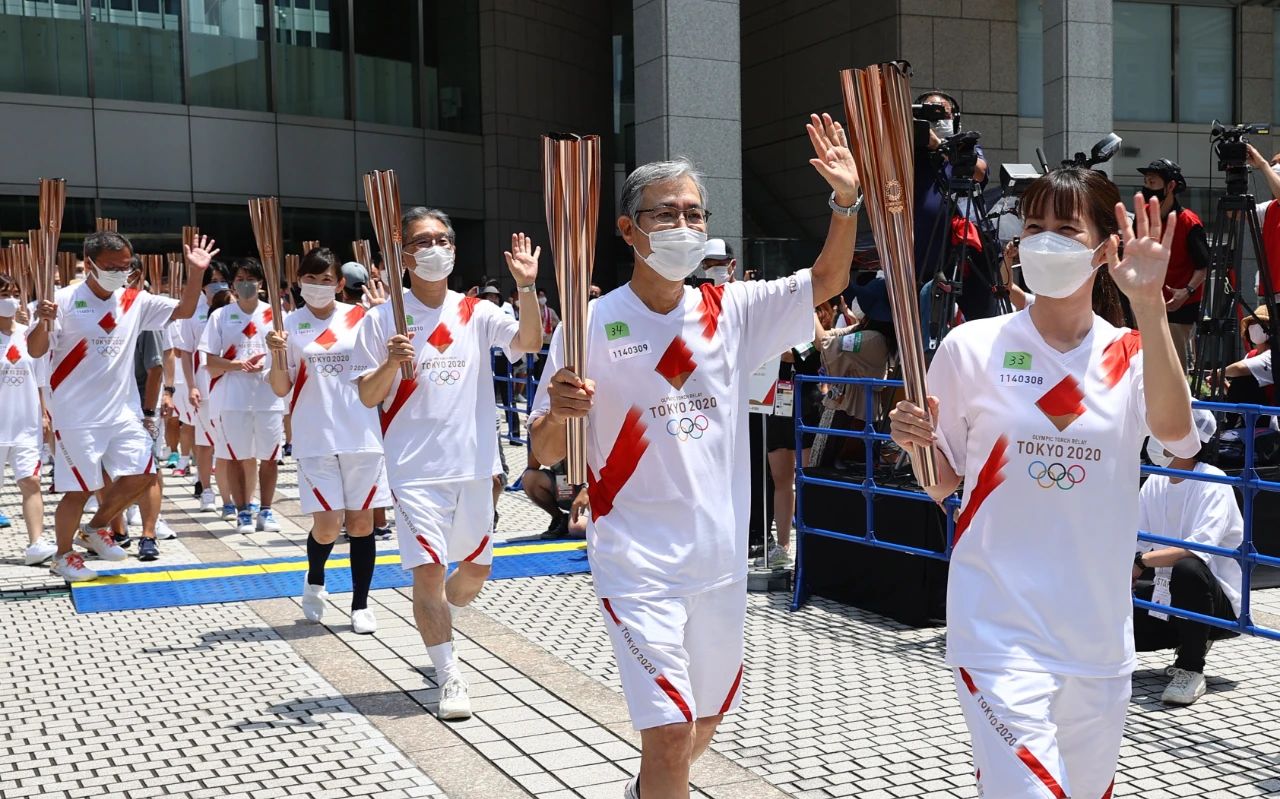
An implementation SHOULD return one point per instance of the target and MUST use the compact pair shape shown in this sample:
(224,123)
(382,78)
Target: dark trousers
(1192,587)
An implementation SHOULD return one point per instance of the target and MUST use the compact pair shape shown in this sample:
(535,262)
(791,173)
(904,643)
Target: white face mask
(317,294)
(1055,265)
(433,263)
(717,274)
(110,281)
(1256,334)
(676,252)
(944,127)
(8,306)
(1156,453)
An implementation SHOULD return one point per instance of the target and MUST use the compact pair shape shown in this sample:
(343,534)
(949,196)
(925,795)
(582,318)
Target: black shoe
(199,490)
(123,541)
(382,533)
(147,549)
(559,528)
(288,450)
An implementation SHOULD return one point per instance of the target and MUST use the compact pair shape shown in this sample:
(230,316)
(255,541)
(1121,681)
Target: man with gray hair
(438,429)
(91,329)
(664,397)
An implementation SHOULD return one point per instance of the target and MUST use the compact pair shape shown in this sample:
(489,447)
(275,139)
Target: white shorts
(182,407)
(347,481)
(1043,736)
(22,461)
(206,426)
(444,523)
(242,435)
(680,658)
(82,454)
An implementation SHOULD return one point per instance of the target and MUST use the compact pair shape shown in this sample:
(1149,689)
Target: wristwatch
(843,211)
(1137,560)
(529,289)
(149,412)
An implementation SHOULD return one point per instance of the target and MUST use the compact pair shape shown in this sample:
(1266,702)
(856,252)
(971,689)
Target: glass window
(42,48)
(152,227)
(384,47)
(226,54)
(310,72)
(230,225)
(21,212)
(1030,58)
(137,55)
(1204,64)
(1143,89)
(451,57)
(332,228)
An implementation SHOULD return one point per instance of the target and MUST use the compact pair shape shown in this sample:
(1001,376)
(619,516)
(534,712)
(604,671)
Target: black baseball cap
(1166,169)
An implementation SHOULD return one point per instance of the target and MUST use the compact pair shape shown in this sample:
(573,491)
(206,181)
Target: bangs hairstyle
(1075,192)
(319,260)
(249,266)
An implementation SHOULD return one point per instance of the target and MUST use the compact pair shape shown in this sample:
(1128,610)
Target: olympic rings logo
(110,350)
(444,377)
(330,369)
(686,428)
(15,380)
(1063,476)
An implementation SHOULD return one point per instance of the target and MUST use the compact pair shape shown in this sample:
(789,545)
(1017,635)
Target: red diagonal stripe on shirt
(968,682)
(712,297)
(989,479)
(1118,355)
(229,355)
(403,391)
(297,385)
(1110,788)
(670,690)
(1042,773)
(623,458)
(267,316)
(466,308)
(354,316)
(127,298)
(608,606)
(64,367)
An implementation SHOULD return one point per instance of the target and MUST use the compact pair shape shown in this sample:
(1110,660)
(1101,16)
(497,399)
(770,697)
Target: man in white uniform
(95,326)
(1190,510)
(438,428)
(663,393)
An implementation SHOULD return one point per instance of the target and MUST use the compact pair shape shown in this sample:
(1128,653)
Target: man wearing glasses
(438,432)
(663,394)
(91,329)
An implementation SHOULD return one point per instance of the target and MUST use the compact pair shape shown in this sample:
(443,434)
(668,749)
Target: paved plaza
(246,699)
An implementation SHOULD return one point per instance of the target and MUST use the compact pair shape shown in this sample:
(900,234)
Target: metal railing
(1248,483)
(511,404)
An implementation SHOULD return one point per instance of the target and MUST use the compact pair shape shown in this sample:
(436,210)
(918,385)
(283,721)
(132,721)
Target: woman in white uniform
(1042,414)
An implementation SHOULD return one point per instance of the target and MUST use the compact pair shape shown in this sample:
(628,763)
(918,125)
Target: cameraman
(1269,211)
(1189,260)
(931,205)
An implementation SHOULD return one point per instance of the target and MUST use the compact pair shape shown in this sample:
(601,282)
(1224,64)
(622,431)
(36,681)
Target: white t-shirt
(667,441)
(328,417)
(236,336)
(440,427)
(91,378)
(21,377)
(1196,511)
(190,331)
(1048,445)
(1260,367)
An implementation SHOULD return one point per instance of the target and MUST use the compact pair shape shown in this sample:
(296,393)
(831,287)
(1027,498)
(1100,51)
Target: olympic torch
(382,195)
(877,104)
(571,191)
(264,214)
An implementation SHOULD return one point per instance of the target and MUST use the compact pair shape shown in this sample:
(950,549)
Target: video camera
(1101,153)
(961,150)
(1233,155)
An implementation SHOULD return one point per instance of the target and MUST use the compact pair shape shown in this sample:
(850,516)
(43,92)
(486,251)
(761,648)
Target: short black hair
(249,265)
(102,241)
(215,268)
(319,260)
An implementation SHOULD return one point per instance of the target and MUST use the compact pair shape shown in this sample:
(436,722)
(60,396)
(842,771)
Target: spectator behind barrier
(550,490)
(1200,512)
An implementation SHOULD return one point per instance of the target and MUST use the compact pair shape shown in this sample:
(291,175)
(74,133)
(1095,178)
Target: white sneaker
(313,599)
(92,505)
(364,622)
(208,501)
(183,464)
(1185,688)
(455,705)
(778,558)
(163,531)
(100,543)
(71,568)
(39,552)
(133,516)
(632,791)
(267,521)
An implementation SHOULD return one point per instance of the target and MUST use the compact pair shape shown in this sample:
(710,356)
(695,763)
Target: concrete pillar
(1077,76)
(687,76)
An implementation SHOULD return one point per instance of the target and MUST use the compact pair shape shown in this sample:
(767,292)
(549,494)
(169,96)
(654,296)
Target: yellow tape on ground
(214,572)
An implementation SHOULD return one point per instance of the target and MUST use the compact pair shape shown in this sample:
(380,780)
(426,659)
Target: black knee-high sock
(362,557)
(317,554)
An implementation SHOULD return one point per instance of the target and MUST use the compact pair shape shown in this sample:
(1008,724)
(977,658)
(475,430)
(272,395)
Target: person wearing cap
(1195,511)
(354,277)
(718,263)
(1189,261)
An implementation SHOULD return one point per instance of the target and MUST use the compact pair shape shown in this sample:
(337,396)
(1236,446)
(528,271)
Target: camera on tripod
(961,150)
(1233,156)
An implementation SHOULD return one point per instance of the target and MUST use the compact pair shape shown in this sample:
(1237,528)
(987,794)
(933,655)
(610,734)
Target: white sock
(442,658)
(453,610)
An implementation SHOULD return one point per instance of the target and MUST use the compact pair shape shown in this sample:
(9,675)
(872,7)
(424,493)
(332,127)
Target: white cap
(715,250)
(1205,424)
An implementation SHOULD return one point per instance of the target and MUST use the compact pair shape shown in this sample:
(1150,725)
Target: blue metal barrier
(510,381)
(1249,484)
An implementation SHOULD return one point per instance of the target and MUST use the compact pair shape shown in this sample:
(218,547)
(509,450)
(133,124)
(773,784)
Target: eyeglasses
(421,244)
(668,216)
(125,268)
